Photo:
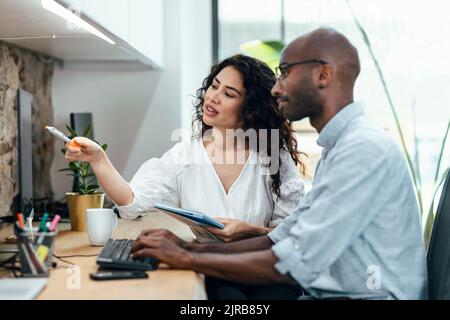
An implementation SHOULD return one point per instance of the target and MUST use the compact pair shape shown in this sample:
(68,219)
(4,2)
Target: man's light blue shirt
(357,233)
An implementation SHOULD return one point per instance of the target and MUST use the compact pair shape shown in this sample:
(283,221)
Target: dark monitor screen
(24,102)
(80,121)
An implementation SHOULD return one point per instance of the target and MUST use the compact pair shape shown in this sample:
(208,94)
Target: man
(357,233)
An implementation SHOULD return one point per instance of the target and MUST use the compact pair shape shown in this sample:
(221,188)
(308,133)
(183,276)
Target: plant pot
(78,204)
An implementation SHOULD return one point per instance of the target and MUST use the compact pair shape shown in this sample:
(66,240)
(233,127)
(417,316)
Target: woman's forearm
(112,182)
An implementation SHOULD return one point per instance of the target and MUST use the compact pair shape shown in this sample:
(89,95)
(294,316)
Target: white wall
(196,57)
(135,111)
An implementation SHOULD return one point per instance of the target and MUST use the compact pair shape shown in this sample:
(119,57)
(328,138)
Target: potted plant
(85,193)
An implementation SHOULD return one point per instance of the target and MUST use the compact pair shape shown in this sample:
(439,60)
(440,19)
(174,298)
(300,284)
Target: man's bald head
(307,88)
(329,45)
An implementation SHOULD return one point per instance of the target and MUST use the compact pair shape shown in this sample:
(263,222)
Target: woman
(239,192)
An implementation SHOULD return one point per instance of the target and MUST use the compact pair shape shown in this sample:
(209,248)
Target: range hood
(27,24)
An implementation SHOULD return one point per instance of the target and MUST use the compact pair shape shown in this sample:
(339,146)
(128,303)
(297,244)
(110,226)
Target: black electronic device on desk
(117,255)
(118,275)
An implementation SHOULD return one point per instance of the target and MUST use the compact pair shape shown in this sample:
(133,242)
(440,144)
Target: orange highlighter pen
(20,220)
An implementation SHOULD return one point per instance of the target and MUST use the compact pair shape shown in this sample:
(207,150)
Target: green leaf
(430,218)
(73,133)
(80,190)
(104,147)
(73,175)
(266,51)
(66,169)
(74,166)
(78,184)
(440,181)
(93,187)
(444,141)
(88,130)
(428,229)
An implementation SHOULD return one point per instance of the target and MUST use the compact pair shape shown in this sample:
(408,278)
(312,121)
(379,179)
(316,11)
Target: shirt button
(297,245)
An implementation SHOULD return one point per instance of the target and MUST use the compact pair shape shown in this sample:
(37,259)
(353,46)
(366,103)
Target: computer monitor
(80,121)
(25,196)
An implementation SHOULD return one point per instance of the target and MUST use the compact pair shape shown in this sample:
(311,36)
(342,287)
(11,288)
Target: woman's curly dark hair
(259,110)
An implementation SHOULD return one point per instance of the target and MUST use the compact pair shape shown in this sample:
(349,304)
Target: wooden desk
(162,284)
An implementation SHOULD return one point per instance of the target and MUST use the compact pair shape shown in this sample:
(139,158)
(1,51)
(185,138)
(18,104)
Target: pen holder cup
(35,252)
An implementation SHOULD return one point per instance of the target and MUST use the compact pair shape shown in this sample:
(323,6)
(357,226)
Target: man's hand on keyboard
(166,251)
(163,233)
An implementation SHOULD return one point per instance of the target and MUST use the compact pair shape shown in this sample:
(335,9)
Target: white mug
(100,224)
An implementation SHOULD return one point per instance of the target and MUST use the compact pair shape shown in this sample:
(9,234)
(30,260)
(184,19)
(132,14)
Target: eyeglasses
(283,69)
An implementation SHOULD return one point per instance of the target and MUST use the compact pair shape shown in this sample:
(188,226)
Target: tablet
(196,217)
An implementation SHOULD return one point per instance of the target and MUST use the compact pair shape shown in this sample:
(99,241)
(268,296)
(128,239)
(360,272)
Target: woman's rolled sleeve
(134,209)
(291,193)
(292,190)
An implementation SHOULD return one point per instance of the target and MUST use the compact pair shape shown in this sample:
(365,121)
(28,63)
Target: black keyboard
(116,255)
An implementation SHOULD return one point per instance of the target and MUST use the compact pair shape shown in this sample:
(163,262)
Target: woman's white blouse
(185,177)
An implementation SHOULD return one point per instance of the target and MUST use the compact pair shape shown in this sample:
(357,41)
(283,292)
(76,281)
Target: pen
(54,223)
(61,135)
(20,220)
(42,252)
(30,223)
(42,226)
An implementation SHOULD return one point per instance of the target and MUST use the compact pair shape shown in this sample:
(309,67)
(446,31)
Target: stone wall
(23,69)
